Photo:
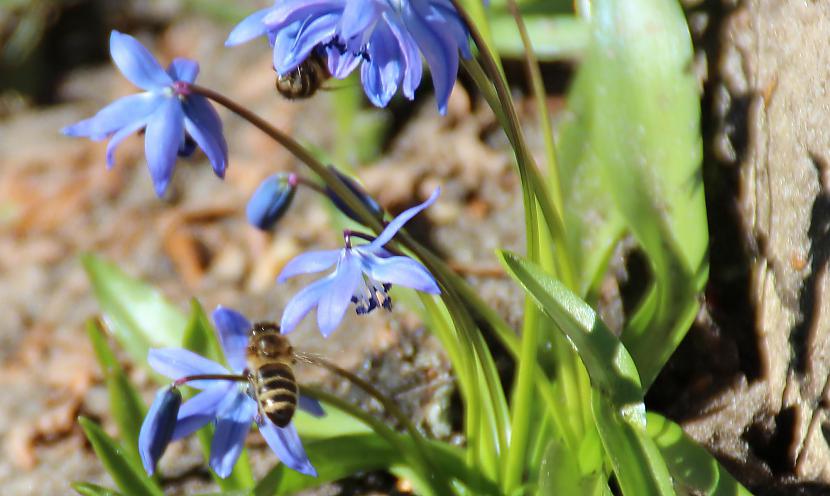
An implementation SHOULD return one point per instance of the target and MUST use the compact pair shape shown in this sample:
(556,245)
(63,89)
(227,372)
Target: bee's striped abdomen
(277,392)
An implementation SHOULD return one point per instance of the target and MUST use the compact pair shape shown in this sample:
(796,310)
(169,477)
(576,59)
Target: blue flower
(225,402)
(385,37)
(167,112)
(363,276)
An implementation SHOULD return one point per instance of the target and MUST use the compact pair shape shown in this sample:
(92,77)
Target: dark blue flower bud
(157,429)
(270,201)
(358,190)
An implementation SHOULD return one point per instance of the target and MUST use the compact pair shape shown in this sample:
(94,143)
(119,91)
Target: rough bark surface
(760,398)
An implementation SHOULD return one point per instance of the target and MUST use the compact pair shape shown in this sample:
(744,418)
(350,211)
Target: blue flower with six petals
(387,36)
(166,111)
(225,402)
(363,275)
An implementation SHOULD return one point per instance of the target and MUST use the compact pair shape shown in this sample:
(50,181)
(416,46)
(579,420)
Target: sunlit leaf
(339,457)
(609,365)
(129,478)
(126,405)
(137,314)
(636,105)
(691,465)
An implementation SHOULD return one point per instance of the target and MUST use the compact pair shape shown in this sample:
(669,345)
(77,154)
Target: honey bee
(270,372)
(305,80)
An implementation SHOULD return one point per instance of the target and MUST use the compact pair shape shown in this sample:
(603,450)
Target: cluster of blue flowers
(387,39)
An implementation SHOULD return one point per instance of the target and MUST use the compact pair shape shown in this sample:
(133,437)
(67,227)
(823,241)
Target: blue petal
(165,132)
(357,17)
(382,73)
(233,423)
(455,25)
(287,445)
(250,27)
(413,69)
(232,426)
(311,406)
(402,271)
(309,262)
(289,11)
(333,303)
(302,303)
(398,222)
(203,408)
(118,114)
(439,49)
(234,330)
(203,123)
(136,63)
(312,33)
(341,63)
(157,428)
(119,136)
(177,363)
(182,69)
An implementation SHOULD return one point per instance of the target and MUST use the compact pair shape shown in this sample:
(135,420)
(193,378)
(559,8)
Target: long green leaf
(126,405)
(637,105)
(130,479)
(609,365)
(617,397)
(137,314)
(640,468)
(200,338)
(334,459)
(691,465)
(87,489)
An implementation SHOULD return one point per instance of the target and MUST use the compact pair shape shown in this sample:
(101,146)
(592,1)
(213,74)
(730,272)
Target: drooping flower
(172,117)
(227,403)
(363,276)
(385,37)
(270,200)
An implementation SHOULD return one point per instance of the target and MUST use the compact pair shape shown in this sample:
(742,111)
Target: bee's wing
(306,357)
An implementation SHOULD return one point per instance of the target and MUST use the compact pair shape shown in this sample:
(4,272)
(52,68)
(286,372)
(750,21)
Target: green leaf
(608,363)
(690,464)
(126,405)
(637,462)
(129,478)
(560,473)
(638,112)
(335,423)
(334,459)
(200,337)
(87,489)
(339,457)
(137,314)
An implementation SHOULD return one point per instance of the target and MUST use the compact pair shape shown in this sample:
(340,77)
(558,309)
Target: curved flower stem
(296,149)
(308,183)
(209,377)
